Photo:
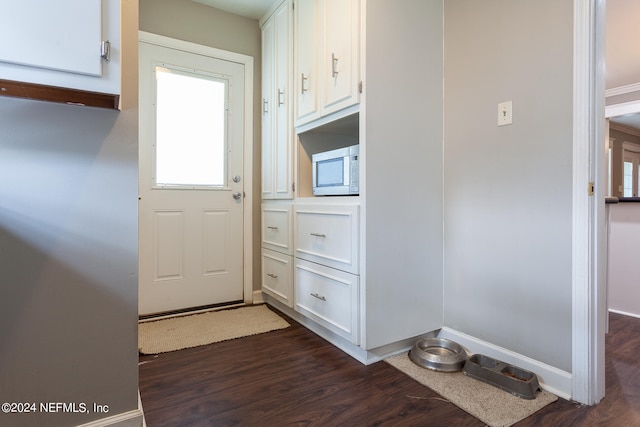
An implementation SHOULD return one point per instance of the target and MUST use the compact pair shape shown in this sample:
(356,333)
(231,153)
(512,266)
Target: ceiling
(622,43)
(255,9)
(622,35)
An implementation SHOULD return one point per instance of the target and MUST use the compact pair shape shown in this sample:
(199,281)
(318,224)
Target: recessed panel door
(191,186)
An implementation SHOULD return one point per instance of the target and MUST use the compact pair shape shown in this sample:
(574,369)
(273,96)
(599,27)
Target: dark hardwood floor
(293,377)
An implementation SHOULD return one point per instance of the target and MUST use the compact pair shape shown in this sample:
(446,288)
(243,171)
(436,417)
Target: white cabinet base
(277,271)
(328,296)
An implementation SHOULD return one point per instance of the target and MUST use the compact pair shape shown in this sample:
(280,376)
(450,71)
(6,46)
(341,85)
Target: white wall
(68,256)
(68,253)
(507,190)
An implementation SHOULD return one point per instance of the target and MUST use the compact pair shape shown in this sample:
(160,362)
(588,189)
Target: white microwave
(336,172)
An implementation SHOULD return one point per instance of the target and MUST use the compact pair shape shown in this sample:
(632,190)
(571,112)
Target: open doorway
(622,153)
(622,113)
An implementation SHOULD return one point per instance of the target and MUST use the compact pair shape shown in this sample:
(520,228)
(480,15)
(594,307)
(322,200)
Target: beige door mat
(200,329)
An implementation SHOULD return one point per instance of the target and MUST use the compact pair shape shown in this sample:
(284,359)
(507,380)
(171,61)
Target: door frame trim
(247,62)
(589,248)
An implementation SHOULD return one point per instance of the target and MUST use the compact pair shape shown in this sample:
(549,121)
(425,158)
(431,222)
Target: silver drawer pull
(318,234)
(273,276)
(321,298)
(271,227)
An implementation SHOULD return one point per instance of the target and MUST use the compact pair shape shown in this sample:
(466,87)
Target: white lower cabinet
(276,227)
(277,275)
(310,262)
(277,252)
(326,281)
(327,296)
(328,235)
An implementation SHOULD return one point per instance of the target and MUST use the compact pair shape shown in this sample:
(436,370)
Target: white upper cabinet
(268,84)
(340,54)
(327,73)
(306,69)
(277,151)
(60,43)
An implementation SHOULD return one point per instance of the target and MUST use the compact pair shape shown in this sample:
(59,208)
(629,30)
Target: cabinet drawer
(329,297)
(277,273)
(328,235)
(276,228)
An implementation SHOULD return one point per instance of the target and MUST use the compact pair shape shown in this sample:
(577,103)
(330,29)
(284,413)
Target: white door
(190,179)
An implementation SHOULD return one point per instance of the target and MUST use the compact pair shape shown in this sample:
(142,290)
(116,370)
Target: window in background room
(631,177)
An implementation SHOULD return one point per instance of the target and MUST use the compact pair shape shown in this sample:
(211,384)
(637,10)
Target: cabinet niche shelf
(58,94)
(340,133)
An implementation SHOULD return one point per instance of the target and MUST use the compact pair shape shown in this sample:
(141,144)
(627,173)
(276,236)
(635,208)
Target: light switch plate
(505,113)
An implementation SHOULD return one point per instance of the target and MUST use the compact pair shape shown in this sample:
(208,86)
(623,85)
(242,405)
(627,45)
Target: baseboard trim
(133,418)
(551,379)
(257,297)
(625,313)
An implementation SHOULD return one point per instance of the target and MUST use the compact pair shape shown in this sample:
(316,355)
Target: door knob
(237,195)
(236,179)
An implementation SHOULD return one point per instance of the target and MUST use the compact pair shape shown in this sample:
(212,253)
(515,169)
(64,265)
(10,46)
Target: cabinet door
(328,235)
(282,152)
(277,274)
(277,156)
(277,227)
(306,76)
(329,297)
(53,37)
(58,43)
(268,60)
(341,35)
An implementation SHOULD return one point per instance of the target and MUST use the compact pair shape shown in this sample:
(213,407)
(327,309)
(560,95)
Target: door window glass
(190,147)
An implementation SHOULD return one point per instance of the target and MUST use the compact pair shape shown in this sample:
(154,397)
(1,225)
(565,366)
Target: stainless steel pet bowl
(438,354)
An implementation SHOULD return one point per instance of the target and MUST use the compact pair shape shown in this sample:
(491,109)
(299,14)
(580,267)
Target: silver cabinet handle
(265,106)
(318,234)
(280,96)
(273,276)
(318,296)
(302,85)
(334,66)
(105,50)
(271,227)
